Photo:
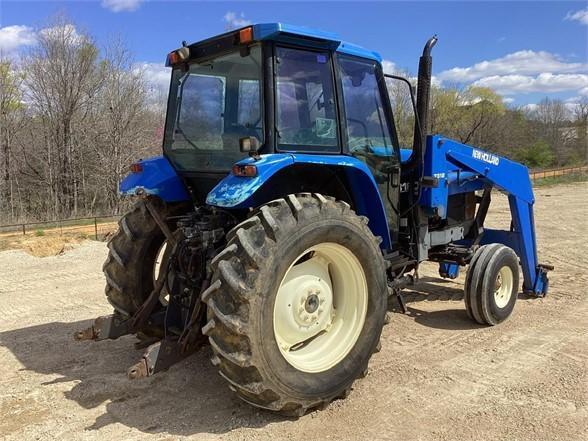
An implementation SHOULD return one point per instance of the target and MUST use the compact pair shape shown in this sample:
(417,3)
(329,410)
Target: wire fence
(96,227)
(550,173)
(101,227)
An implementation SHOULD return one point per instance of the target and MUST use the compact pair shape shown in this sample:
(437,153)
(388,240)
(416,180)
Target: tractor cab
(279,89)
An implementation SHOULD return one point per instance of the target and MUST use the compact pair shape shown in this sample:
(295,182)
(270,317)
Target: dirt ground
(438,376)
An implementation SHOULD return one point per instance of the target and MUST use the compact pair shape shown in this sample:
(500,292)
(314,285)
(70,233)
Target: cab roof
(280,32)
(287,33)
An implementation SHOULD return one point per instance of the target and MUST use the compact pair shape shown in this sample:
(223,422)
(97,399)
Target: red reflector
(246,35)
(247,171)
(136,168)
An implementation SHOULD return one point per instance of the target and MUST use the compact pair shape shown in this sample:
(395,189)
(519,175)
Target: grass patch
(53,241)
(41,246)
(563,179)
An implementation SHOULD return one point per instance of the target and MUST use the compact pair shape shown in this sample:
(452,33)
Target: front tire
(297,303)
(492,284)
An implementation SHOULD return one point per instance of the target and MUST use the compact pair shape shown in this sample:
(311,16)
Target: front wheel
(492,284)
(297,303)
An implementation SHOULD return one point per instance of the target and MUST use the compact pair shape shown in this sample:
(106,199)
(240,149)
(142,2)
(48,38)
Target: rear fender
(238,192)
(157,177)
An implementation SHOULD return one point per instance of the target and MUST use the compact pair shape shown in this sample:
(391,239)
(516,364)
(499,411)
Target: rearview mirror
(402,100)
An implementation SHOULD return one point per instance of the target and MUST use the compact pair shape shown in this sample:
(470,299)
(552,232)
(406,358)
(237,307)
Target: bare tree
(122,122)
(63,77)
(581,116)
(553,118)
(11,120)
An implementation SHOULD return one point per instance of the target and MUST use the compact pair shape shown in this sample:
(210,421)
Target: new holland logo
(486,157)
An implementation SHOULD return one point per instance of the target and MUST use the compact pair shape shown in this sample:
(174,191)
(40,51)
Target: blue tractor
(283,214)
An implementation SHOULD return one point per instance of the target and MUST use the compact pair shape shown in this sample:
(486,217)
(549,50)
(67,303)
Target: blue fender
(158,178)
(239,192)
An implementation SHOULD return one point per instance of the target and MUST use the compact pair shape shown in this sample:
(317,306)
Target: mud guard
(156,177)
(239,192)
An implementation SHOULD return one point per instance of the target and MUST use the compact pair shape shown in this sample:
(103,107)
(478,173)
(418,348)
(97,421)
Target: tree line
(73,117)
(551,133)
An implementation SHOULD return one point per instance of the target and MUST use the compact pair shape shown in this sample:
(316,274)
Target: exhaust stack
(423,99)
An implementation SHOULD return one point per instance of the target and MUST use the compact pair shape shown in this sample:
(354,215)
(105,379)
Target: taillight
(247,171)
(136,168)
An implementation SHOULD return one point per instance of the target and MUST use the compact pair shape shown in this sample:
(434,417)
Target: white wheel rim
(320,307)
(503,287)
(164,298)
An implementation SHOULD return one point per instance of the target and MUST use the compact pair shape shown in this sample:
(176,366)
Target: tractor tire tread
(131,249)
(233,292)
(484,253)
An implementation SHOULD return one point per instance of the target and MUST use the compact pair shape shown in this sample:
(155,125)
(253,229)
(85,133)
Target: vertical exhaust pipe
(423,99)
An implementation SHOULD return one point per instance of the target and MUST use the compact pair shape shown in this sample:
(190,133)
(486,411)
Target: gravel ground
(438,376)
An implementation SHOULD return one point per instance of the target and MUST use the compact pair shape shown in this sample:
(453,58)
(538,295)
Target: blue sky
(524,50)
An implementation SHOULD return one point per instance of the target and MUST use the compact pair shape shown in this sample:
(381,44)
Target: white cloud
(234,20)
(389,67)
(545,83)
(508,100)
(579,16)
(526,62)
(121,5)
(15,37)
(156,75)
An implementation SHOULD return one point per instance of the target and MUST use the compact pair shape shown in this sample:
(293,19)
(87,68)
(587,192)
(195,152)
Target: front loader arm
(513,179)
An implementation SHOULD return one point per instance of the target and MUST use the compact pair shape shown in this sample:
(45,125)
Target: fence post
(95,228)
(23,230)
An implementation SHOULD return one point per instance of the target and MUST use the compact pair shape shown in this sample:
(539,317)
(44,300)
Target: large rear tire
(297,303)
(130,266)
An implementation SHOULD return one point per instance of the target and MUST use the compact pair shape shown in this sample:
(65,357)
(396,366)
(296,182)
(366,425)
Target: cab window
(306,117)
(367,127)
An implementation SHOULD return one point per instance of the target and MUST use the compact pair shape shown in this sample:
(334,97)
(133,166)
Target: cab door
(368,129)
